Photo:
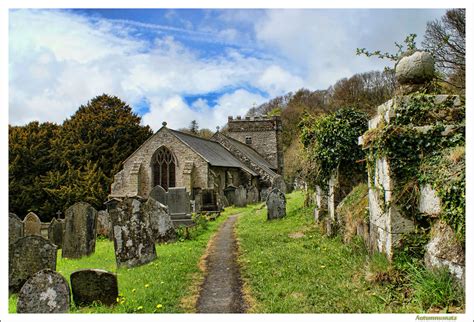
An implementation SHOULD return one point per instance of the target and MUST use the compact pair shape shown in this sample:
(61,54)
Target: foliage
(408,45)
(53,166)
(445,39)
(331,141)
(353,210)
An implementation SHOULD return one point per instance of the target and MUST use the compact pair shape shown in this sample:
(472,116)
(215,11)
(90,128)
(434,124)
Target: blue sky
(184,64)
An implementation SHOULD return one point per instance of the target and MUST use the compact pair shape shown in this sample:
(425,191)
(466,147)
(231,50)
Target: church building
(249,154)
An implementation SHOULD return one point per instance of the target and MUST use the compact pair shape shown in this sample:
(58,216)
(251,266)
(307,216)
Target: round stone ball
(417,68)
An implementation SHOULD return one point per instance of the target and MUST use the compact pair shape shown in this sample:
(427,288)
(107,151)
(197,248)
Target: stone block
(80,232)
(15,228)
(178,201)
(429,203)
(160,221)
(55,232)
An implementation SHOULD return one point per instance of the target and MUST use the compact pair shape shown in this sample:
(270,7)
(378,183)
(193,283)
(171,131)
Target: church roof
(214,153)
(253,155)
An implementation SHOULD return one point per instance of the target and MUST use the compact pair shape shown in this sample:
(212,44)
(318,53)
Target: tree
(194,127)
(446,41)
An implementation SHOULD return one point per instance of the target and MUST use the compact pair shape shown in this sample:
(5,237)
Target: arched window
(164,168)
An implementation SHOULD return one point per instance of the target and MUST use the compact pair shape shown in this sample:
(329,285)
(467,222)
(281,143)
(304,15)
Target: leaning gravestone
(160,221)
(252,195)
(15,228)
(276,205)
(133,241)
(104,226)
(178,201)
(55,232)
(240,197)
(32,225)
(45,292)
(94,285)
(29,255)
(159,194)
(80,232)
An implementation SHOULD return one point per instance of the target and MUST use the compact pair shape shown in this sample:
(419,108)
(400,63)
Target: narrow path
(221,291)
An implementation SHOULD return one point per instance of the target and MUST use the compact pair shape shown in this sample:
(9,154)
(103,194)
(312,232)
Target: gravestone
(104,226)
(209,200)
(240,197)
(55,232)
(45,292)
(94,285)
(15,228)
(229,193)
(276,205)
(264,194)
(160,221)
(80,231)
(32,225)
(159,194)
(133,240)
(29,255)
(178,201)
(279,183)
(252,195)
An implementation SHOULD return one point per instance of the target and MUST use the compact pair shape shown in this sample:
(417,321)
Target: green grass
(157,287)
(312,273)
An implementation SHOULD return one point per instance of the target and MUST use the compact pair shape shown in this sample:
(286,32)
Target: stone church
(248,156)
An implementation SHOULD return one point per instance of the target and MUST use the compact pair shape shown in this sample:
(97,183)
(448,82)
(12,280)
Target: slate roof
(253,155)
(214,153)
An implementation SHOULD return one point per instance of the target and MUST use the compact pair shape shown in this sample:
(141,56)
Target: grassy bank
(157,287)
(290,266)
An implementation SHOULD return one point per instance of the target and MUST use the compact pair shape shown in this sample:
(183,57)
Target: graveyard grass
(289,266)
(156,287)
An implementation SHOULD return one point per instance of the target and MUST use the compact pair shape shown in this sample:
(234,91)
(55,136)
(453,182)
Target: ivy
(331,141)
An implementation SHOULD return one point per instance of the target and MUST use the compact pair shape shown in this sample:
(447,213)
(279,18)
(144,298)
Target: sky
(179,65)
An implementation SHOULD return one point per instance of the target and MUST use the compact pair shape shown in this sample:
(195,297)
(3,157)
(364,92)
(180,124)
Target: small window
(248,140)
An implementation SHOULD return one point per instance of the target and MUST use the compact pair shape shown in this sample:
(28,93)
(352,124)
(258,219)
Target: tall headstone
(45,292)
(55,232)
(240,196)
(94,285)
(160,221)
(32,225)
(178,201)
(276,205)
(252,195)
(133,240)
(29,255)
(80,232)
(159,194)
(104,226)
(15,228)
(229,193)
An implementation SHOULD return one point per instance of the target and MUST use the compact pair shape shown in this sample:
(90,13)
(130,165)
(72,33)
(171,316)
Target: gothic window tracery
(164,168)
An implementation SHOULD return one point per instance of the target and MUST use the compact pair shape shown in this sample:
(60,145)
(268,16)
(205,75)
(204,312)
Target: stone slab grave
(45,292)
(56,232)
(133,240)
(29,255)
(94,285)
(80,231)
(252,195)
(178,201)
(209,200)
(32,225)
(15,228)
(276,205)
(160,221)
(104,226)
(240,196)
(159,194)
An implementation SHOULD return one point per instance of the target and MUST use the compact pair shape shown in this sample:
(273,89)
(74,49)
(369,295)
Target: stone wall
(265,135)
(136,177)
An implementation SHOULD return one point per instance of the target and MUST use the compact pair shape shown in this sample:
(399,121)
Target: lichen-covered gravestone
(45,292)
(252,195)
(276,204)
(178,201)
(159,194)
(29,255)
(104,226)
(160,221)
(94,285)
(55,232)
(15,228)
(133,240)
(80,232)
(32,225)
(240,196)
